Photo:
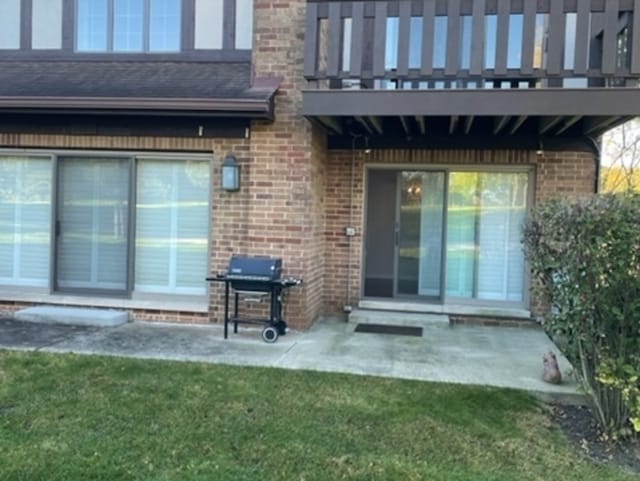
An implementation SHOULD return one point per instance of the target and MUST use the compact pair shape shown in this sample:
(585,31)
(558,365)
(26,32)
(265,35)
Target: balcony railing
(430,44)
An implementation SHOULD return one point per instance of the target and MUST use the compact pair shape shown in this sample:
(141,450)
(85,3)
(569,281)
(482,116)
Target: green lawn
(67,417)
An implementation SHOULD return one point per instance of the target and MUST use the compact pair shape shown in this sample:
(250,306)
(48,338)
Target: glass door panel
(92,227)
(25,217)
(485,213)
(171,226)
(379,242)
(419,233)
(461,234)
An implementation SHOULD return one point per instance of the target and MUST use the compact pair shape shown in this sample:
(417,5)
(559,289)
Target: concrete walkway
(494,356)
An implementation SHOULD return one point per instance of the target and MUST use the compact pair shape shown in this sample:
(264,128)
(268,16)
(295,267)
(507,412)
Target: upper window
(128,25)
(10,24)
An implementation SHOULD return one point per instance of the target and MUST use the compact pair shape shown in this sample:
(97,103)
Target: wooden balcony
(525,68)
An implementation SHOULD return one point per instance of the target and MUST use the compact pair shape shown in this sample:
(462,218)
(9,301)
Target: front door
(92,225)
(404,234)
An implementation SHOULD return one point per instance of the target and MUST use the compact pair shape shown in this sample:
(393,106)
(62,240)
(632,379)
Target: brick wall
(280,209)
(568,174)
(229,213)
(296,198)
(287,211)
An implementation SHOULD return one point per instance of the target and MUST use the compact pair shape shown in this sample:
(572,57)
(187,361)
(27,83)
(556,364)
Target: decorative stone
(551,373)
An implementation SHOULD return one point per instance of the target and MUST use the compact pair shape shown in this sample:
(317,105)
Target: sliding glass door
(485,212)
(404,234)
(92,225)
(172,229)
(453,235)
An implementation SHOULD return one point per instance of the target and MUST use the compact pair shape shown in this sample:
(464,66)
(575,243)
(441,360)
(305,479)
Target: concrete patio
(494,356)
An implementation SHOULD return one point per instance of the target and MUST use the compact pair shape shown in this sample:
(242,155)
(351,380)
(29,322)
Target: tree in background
(621,158)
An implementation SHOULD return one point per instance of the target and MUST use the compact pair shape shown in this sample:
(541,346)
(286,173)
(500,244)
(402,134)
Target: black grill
(253,274)
(256,275)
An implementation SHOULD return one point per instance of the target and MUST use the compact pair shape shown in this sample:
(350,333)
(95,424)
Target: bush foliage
(585,257)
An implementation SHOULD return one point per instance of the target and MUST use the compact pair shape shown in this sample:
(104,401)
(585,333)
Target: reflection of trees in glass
(173,184)
(18,183)
(487,188)
(485,212)
(198,173)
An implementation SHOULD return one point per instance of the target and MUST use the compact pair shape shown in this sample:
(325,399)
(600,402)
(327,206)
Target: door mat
(387,329)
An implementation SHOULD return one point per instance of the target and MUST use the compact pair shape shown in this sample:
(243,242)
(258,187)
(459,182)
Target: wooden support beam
(357,40)
(311,40)
(421,124)
(453,123)
(518,123)
(452,61)
(597,125)
(528,38)
(610,36)
(331,123)
(502,37)
(477,43)
(317,123)
(556,38)
(364,123)
(583,18)
(428,15)
(547,123)
(468,122)
(499,123)
(404,23)
(405,124)
(334,40)
(379,39)
(568,123)
(377,124)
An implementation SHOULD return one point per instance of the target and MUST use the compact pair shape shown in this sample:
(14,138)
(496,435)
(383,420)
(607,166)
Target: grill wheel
(270,334)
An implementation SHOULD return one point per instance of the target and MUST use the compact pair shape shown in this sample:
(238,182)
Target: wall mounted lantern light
(230,174)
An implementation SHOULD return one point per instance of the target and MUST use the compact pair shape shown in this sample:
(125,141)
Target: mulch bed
(579,425)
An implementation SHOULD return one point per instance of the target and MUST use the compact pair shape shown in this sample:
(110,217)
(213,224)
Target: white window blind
(93,215)
(431,221)
(500,257)
(172,226)
(25,220)
(485,259)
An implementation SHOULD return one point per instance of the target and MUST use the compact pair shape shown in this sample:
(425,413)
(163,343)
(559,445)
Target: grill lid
(254,268)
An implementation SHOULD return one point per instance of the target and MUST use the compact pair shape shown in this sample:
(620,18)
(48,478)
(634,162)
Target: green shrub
(585,258)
